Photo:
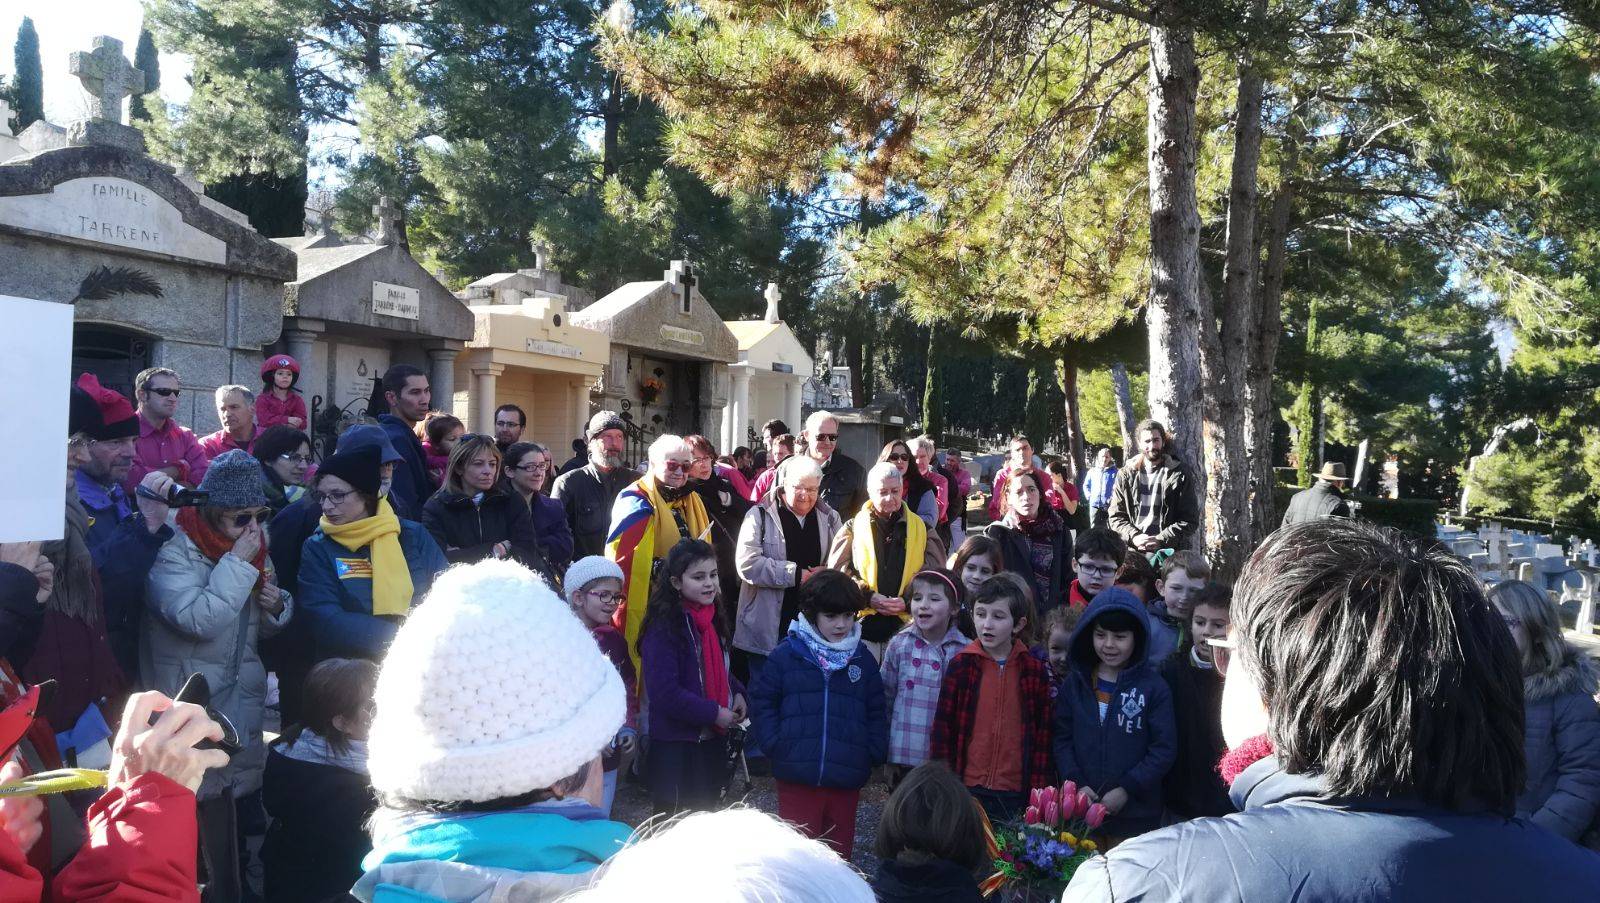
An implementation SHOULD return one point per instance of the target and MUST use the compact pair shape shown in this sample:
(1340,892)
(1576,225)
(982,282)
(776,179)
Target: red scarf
(214,545)
(712,668)
(1243,756)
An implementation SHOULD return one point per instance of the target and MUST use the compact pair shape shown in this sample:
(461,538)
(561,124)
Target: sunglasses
(243,520)
(897,457)
(675,466)
(1221,654)
(166,393)
(827,437)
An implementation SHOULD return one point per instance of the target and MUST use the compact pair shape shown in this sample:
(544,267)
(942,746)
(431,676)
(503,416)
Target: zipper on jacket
(822,756)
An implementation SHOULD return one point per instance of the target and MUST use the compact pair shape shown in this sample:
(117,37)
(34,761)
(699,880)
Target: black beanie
(83,414)
(358,467)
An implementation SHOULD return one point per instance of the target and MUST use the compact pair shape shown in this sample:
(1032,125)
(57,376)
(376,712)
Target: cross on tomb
(541,255)
(388,215)
(681,275)
(773,297)
(107,76)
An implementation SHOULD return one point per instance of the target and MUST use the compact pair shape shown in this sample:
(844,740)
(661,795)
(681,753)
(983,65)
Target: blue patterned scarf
(830,657)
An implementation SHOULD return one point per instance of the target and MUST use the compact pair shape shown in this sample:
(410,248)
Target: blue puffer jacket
(336,597)
(1137,741)
(1292,841)
(823,730)
(1562,731)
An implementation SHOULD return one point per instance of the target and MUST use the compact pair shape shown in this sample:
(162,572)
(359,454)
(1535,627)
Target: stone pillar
(442,376)
(791,403)
(483,397)
(301,337)
(738,409)
(579,419)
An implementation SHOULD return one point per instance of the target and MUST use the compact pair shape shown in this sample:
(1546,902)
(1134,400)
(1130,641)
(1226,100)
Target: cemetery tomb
(769,379)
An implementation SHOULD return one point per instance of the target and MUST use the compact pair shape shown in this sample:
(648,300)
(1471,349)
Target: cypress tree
(29,88)
(148,61)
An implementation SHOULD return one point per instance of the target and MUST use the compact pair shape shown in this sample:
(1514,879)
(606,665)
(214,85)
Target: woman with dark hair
(1372,703)
(527,468)
(285,456)
(1034,541)
(726,505)
(211,595)
(930,840)
(472,518)
(921,498)
(364,569)
(1561,723)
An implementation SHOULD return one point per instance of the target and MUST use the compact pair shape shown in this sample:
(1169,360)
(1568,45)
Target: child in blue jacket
(818,711)
(1115,732)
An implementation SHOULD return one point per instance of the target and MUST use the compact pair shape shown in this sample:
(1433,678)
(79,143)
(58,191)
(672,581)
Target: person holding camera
(212,594)
(141,833)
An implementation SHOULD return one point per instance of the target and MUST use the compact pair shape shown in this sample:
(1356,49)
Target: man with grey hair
(236,408)
(647,520)
(842,478)
(883,548)
(588,492)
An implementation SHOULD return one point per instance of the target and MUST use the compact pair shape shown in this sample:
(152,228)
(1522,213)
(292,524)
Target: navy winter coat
(820,730)
(1136,743)
(1562,742)
(1291,841)
(124,550)
(411,484)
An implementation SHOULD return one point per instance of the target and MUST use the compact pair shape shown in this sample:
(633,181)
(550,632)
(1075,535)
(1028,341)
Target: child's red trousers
(827,814)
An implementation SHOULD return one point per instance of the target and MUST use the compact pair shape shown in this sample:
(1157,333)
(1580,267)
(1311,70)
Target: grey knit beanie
(605,420)
(234,480)
(585,571)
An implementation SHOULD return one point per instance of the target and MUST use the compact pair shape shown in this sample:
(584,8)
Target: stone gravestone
(160,274)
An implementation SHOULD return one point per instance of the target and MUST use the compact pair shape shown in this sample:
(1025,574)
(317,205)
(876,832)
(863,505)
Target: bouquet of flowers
(1037,855)
(650,389)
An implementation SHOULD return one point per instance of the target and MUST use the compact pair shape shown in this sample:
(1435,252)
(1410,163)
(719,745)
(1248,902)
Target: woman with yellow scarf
(364,568)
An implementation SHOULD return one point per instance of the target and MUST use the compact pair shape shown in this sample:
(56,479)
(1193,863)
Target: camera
(179,497)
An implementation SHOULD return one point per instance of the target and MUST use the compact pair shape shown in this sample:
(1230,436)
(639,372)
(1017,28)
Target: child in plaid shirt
(914,665)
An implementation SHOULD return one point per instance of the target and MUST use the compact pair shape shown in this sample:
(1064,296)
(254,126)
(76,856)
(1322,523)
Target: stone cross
(773,297)
(107,76)
(388,221)
(682,273)
(541,255)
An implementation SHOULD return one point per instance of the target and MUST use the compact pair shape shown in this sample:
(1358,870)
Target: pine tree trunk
(610,162)
(854,359)
(1264,514)
(1126,419)
(1069,388)
(1173,313)
(933,390)
(1308,407)
(1225,349)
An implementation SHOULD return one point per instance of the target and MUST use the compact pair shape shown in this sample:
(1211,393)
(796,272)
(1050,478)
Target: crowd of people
(471,653)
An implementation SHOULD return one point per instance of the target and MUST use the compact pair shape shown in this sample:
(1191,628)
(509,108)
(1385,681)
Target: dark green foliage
(27,86)
(148,61)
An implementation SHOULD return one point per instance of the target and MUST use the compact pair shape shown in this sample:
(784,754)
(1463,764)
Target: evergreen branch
(104,282)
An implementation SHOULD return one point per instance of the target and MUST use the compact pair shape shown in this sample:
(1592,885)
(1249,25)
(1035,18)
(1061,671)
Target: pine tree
(29,86)
(148,61)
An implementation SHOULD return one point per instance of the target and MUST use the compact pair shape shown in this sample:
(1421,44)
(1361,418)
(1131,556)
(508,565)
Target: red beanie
(120,420)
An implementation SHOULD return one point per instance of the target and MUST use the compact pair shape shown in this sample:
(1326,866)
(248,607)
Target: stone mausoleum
(768,380)
(160,274)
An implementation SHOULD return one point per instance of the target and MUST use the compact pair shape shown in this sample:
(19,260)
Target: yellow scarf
(666,531)
(391,577)
(864,552)
(636,550)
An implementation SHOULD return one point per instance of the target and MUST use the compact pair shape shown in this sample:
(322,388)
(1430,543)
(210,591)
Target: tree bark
(1173,312)
(1069,388)
(1308,407)
(610,161)
(1225,349)
(1126,419)
(1264,514)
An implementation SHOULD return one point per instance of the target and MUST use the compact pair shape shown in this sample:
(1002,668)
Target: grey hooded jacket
(1562,731)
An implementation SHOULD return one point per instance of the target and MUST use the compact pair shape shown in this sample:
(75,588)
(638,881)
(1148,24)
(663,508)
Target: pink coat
(272,412)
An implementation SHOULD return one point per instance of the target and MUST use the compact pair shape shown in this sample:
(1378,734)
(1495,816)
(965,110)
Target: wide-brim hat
(1333,471)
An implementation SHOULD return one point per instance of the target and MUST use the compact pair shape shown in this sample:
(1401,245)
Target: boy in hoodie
(494,708)
(1194,788)
(1114,728)
(1096,556)
(817,709)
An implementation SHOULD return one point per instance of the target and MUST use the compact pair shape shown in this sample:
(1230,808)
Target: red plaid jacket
(958,713)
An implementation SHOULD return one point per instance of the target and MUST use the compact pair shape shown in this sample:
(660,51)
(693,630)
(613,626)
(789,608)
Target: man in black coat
(844,482)
(587,493)
(1325,498)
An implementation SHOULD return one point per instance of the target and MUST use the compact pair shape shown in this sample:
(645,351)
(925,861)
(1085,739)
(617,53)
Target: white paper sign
(36,353)
(396,301)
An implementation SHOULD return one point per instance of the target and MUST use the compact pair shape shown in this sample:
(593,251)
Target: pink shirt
(272,412)
(171,446)
(764,481)
(732,474)
(219,442)
(941,491)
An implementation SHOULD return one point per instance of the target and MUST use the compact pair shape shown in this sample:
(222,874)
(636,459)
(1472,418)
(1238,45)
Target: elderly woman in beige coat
(212,596)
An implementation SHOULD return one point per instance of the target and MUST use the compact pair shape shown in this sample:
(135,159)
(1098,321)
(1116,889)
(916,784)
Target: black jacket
(587,494)
(1018,551)
(21,615)
(844,485)
(468,530)
(1193,788)
(1320,501)
(411,484)
(316,840)
(1177,509)
(934,881)
(726,509)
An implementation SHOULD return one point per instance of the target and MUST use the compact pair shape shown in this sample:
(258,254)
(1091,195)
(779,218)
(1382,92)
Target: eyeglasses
(243,520)
(897,457)
(297,459)
(1095,570)
(508,424)
(604,597)
(528,468)
(826,437)
(698,459)
(332,495)
(165,393)
(675,466)
(1221,654)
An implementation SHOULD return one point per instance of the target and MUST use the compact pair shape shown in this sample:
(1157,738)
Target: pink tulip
(1031,817)
(1069,796)
(1036,798)
(1081,806)
(1049,794)
(1052,814)
(1095,817)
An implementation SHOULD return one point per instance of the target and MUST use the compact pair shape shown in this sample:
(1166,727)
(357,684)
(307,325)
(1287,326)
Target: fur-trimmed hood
(1574,673)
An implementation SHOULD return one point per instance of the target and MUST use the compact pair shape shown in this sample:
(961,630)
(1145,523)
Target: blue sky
(68,25)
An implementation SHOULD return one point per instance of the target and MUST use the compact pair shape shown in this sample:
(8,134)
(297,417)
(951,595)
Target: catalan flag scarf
(391,577)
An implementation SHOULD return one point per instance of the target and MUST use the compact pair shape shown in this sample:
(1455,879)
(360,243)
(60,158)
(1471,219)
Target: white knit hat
(492,688)
(585,571)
